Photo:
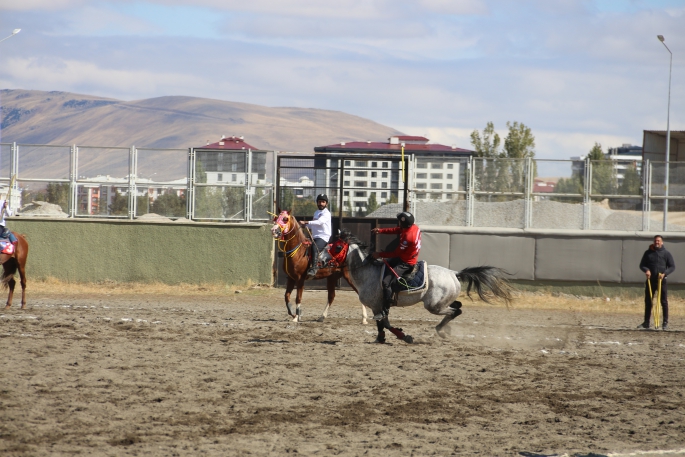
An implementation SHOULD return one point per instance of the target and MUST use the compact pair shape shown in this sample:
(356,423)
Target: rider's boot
(311,273)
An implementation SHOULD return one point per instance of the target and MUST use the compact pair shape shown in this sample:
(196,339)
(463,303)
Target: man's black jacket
(657,261)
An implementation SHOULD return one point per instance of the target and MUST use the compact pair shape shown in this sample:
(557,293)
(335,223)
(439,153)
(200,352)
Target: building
(654,145)
(376,170)
(226,162)
(623,157)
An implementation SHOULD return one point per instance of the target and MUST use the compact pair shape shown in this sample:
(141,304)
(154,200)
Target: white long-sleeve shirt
(320,225)
(6,212)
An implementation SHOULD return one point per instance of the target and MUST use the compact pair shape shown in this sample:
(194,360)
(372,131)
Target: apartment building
(375,169)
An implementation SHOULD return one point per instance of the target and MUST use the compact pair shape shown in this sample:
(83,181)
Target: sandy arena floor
(228,375)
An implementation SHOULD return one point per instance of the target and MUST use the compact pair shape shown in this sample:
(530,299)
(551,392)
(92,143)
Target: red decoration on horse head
(281,224)
(338,252)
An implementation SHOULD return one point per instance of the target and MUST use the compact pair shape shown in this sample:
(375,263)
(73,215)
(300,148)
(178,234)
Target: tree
(170,205)
(487,145)
(58,193)
(393,198)
(119,205)
(604,179)
(631,182)
(372,204)
(520,142)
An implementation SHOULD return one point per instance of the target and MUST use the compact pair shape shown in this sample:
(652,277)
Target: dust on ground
(229,374)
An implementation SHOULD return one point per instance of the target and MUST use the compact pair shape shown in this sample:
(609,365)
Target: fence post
(73,185)
(131,183)
(527,198)
(248,189)
(190,186)
(470,183)
(646,194)
(587,190)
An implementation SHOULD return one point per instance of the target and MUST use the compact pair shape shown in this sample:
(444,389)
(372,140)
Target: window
(347,163)
(384,185)
(435,196)
(374,174)
(421,165)
(219,177)
(384,195)
(421,175)
(261,176)
(420,185)
(346,183)
(374,164)
(385,164)
(347,172)
(450,165)
(436,185)
(360,184)
(234,177)
(360,163)
(436,165)
(373,184)
(346,193)
(436,175)
(360,193)
(421,196)
(449,186)
(384,174)
(361,174)
(450,176)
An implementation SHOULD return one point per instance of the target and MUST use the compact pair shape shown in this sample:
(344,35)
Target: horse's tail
(488,282)
(10,268)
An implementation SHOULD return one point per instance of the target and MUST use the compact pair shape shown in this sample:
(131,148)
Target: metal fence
(130,183)
(245,185)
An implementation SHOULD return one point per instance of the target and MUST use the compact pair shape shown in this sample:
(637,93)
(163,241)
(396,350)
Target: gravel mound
(510,214)
(42,209)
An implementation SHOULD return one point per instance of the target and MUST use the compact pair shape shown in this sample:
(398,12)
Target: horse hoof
(408,339)
(379,341)
(321,319)
(364,322)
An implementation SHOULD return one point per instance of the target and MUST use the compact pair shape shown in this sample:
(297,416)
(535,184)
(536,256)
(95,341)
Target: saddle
(6,247)
(414,281)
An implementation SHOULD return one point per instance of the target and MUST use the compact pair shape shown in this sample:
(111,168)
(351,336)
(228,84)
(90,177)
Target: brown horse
(10,264)
(295,246)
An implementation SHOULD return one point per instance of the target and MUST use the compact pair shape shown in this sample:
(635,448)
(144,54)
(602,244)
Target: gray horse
(439,294)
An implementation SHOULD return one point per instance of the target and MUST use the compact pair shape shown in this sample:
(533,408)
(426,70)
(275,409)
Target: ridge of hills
(64,118)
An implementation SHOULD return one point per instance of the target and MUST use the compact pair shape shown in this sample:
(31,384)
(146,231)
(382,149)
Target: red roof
(369,146)
(411,138)
(229,143)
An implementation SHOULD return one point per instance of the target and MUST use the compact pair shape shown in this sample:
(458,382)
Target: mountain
(63,118)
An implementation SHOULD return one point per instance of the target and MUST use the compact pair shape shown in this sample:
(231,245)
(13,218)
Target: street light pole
(668,132)
(14,32)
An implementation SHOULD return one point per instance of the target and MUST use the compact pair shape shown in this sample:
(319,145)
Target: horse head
(335,254)
(283,224)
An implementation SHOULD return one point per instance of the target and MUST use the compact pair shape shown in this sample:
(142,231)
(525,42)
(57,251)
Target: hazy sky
(575,71)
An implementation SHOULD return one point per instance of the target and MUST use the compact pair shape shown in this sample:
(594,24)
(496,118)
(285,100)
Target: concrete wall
(550,256)
(87,250)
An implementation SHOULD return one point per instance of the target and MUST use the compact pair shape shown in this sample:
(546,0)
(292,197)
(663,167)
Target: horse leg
(330,285)
(22,281)
(381,332)
(298,300)
(451,312)
(11,283)
(364,315)
(288,290)
(396,331)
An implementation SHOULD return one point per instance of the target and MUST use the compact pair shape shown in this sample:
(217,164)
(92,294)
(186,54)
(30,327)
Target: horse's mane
(349,238)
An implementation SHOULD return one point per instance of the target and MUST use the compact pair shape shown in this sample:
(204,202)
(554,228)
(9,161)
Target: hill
(38,117)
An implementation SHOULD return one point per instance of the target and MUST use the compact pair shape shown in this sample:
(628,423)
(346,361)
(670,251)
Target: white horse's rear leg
(451,312)
(364,315)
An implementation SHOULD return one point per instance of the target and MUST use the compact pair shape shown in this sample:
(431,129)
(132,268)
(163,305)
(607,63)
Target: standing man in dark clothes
(657,263)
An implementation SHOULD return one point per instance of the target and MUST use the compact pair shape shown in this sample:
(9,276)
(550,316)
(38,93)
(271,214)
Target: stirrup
(311,273)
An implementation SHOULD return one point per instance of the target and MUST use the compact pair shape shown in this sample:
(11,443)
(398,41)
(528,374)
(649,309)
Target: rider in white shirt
(321,229)
(4,231)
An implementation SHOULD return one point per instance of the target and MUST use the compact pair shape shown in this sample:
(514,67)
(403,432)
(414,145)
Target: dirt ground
(123,374)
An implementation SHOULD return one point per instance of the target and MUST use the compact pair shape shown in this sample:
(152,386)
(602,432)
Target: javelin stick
(9,193)
(656,306)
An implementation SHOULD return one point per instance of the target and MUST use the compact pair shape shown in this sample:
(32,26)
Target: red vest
(410,243)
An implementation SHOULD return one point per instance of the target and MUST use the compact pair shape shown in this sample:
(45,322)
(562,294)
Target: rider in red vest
(402,259)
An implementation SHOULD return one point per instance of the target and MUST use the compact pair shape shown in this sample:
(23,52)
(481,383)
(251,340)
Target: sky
(575,71)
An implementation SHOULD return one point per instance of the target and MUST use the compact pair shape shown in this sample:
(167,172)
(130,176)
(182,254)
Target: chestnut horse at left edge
(295,245)
(11,263)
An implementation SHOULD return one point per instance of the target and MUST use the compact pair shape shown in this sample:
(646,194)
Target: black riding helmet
(323,197)
(406,219)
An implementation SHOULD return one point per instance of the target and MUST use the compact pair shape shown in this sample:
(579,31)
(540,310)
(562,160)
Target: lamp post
(668,133)
(14,32)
